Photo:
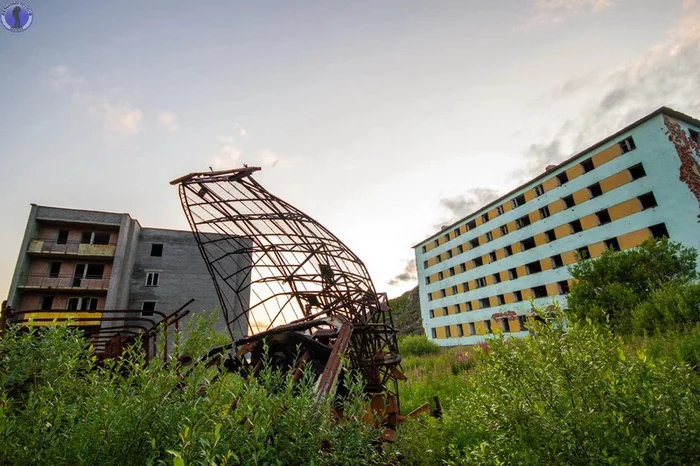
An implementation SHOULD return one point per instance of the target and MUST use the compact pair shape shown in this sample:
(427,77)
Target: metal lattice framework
(273,265)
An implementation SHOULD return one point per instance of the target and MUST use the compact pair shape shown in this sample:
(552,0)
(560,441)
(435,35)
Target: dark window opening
(539,190)
(647,200)
(562,178)
(694,135)
(152,280)
(627,145)
(474,243)
(512,274)
(86,237)
(432,313)
(539,292)
(550,236)
(528,243)
(460,331)
(100,238)
(460,249)
(533,267)
(480,282)
(612,244)
(518,295)
(522,222)
(478,262)
(544,212)
(456,232)
(485,217)
(508,250)
(469,305)
(424,249)
(462,268)
(62,237)
(465,287)
(637,171)
(497,278)
(576,226)
(557,261)
(471,225)
(156,250)
(505,328)
(46,303)
(603,217)
(659,230)
(501,299)
(454,289)
(587,165)
(94,271)
(484,303)
(487,323)
(492,256)
(449,254)
(583,253)
(521,322)
(489,236)
(504,230)
(569,201)
(433,333)
(436,243)
(500,210)
(595,190)
(563,287)
(443,293)
(448,333)
(425,264)
(427,280)
(54,269)
(452,271)
(518,201)
(472,328)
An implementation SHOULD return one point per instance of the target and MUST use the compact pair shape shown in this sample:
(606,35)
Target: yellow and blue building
(477,276)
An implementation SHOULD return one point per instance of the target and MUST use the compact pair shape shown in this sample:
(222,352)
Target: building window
(647,200)
(462,267)
(489,236)
(94,237)
(438,258)
(441,275)
(424,249)
(539,190)
(576,226)
(563,287)
(456,233)
(595,190)
(472,328)
(518,296)
(562,178)
(478,262)
(583,253)
(501,300)
(46,303)
(465,287)
(480,282)
(62,237)
(427,280)
(512,273)
(568,201)
(485,217)
(54,269)
(447,237)
(448,333)
(497,278)
(444,311)
(454,289)
(637,171)
(505,328)
(452,271)
(430,297)
(544,212)
(504,230)
(443,293)
(425,264)
(157,250)
(432,313)
(627,145)
(659,231)
(533,267)
(518,201)
(612,244)
(433,333)
(528,243)
(539,292)
(474,243)
(487,323)
(522,222)
(484,303)
(152,278)
(550,236)
(82,304)
(508,250)
(587,165)
(460,331)
(469,305)
(694,135)
(460,249)
(521,323)
(603,217)
(471,225)
(500,210)
(557,261)
(492,256)
(449,254)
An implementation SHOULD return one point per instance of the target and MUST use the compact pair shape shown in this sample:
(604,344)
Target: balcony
(70,249)
(64,283)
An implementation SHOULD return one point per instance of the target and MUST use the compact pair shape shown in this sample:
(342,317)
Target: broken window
(508,250)
(550,236)
(627,145)
(474,243)
(46,303)
(489,236)
(539,291)
(613,244)
(568,201)
(504,230)
(637,171)
(659,230)
(500,210)
(603,217)
(512,273)
(501,299)
(148,307)
(518,201)
(528,243)
(54,269)
(533,267)
(62,237)
(562,178)
(563,287)
(472,328)
(518,295)
(587,165)
(539,190)
(557,261)
(522,222)
(544,212)
(484,303)
(478,262)
(576,226)
(595,190)
(485,217)
(497,278)
(647,200)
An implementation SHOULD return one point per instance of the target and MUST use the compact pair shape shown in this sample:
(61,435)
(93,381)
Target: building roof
(665,110)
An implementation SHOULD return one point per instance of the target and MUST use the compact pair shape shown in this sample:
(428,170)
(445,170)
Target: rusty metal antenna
(274,267)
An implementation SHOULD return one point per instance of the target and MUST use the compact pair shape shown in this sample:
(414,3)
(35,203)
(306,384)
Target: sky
(383,120)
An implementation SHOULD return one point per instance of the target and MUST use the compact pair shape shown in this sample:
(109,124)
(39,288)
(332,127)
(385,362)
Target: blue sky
(382,120)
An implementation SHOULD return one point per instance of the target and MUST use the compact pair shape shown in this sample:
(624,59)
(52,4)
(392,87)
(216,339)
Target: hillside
(406,312)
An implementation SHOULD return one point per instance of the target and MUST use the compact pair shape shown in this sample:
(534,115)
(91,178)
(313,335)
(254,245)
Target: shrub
(417,345)
(673,306)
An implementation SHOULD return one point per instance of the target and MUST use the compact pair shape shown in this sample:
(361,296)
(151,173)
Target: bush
(673,306)
(417,345)
(57,406)
(571,396)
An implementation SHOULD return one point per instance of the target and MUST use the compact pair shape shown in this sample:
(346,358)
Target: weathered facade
(477,276)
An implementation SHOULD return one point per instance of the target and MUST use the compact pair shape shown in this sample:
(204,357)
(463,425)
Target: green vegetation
(406,313)
(417,345)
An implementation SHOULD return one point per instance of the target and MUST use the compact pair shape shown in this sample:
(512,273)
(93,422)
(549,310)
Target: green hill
(406,312)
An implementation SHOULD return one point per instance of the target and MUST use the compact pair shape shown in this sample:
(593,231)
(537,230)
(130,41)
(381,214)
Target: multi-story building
(78,260)
(478,275)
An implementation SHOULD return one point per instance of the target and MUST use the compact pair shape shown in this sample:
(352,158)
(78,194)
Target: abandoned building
(79,260)
(477,276)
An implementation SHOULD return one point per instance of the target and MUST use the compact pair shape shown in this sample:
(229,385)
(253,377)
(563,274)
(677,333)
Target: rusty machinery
(290,289)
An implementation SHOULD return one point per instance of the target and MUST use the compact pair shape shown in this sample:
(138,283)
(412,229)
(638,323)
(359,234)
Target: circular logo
(17,17)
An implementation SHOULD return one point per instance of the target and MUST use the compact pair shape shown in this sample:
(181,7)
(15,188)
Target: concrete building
(77,260)
(642,181)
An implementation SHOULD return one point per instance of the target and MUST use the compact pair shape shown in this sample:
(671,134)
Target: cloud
(664,75)
(228,154)
(168,121)
(62,75)
(409,274)
(549,12)
(240,130)
(269,159)
(118,117)
(464,204)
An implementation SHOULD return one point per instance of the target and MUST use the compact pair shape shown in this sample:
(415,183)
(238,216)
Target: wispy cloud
(228,154)
(549,12)
(666,74)
(168,121)
(269,158)
(118,116)
(409,274)
(464,204)
(63,75)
